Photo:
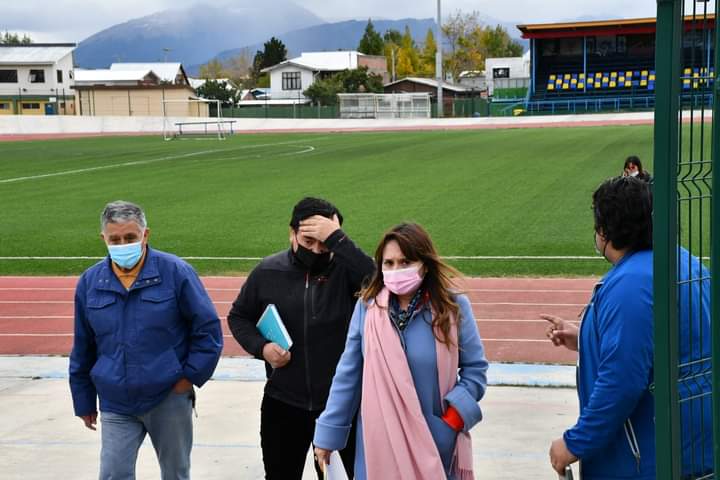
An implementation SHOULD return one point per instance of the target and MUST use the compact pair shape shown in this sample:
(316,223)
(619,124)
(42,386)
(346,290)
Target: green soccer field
(519,192)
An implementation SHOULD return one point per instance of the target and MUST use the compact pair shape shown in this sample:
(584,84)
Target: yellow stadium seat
(598,75)
(552,76)
(573,80)
(621,79)
(696,75)
(643,83)
(590,81)
(628,74)
(628,83)
(581,76)
(567,76)
(687,71)
(551,86)
(613,74)
(695,84)
(644,73)
(612,84)
(652,77)
(566,86)
(581,86)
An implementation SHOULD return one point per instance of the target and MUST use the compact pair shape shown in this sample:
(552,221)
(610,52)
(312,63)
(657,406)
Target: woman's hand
(322,457)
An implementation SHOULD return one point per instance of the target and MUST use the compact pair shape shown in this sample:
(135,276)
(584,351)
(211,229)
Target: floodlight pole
(438,62)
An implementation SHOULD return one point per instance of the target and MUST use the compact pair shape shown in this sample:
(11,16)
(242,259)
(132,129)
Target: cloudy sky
(74,20)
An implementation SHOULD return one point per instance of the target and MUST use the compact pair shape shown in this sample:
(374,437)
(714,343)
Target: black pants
(286,434)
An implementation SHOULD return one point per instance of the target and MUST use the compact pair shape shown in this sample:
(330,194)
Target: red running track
(36,314)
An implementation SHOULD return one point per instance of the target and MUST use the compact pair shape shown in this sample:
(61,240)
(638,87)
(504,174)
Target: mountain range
(194,35)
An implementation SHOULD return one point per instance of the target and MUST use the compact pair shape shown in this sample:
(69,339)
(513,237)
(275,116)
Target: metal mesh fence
(686,346)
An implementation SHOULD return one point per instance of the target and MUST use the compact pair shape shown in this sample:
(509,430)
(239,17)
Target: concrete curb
(250,370)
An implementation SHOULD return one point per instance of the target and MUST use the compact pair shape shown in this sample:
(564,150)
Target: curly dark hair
(622,207)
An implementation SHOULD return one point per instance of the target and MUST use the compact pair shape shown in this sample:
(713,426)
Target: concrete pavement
(40,438)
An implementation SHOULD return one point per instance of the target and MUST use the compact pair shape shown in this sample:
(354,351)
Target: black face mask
(315,262)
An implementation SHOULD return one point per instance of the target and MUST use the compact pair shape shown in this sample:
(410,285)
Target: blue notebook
(272,327)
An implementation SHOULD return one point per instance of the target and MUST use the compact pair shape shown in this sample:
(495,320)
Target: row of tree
(8,38)
(246,70)
(468,43)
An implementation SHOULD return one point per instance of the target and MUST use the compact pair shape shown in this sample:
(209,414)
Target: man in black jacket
(313,285)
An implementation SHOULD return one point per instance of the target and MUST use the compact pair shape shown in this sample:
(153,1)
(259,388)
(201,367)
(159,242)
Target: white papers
(336,469)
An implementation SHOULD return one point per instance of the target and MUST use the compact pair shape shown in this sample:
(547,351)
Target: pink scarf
(397,440)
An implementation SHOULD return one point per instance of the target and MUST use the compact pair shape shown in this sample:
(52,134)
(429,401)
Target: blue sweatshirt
(614,436)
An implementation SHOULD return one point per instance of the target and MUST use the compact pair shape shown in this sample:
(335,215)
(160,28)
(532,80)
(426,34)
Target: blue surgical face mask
(126,256)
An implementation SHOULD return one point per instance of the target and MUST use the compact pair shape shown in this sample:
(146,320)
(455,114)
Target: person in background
(633,168)
(414,368)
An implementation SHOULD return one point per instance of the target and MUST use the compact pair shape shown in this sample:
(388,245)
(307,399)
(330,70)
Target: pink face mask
(404,281)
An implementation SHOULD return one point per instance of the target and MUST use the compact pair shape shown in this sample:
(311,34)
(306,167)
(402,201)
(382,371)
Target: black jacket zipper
(307,341)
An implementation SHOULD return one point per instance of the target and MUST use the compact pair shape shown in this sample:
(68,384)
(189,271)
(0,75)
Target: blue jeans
(171,431)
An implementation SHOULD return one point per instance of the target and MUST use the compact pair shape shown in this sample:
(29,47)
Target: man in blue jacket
(614,436)
(145,333)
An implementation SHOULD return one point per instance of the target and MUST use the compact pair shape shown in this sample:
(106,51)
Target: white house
(510,72)
(290,78)
(136,89)
(199,82)
(37,79)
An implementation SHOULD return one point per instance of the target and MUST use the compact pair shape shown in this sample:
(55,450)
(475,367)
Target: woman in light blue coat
(420,315)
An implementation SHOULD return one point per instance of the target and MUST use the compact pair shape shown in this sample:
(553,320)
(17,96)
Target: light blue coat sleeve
(333,426)
(472,365)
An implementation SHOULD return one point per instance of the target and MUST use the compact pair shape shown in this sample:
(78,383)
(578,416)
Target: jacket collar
(148,275)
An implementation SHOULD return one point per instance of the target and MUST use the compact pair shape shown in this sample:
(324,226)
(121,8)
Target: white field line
(482,320)
(36,334)
(230,302)
(306,148)
(213,289)
(453,257)
(46,335)
(520,304)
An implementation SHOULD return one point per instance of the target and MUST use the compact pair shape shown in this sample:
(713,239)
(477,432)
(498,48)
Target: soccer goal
(191,119)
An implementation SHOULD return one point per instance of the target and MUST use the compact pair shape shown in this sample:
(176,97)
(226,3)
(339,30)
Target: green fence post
(667,412)
(715,261)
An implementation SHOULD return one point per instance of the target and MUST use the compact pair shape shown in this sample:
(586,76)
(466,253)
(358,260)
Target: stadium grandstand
(610,64)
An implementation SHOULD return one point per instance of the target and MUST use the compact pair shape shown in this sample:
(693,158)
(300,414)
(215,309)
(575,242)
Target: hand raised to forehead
(319,227)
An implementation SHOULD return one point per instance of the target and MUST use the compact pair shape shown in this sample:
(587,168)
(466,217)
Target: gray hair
(120,211)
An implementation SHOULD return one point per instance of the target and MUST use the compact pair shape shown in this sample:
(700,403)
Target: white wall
(62,124)
(49,88)
(276,91)
(519,68)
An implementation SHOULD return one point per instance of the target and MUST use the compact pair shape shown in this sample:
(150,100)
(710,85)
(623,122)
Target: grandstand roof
(600,27)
